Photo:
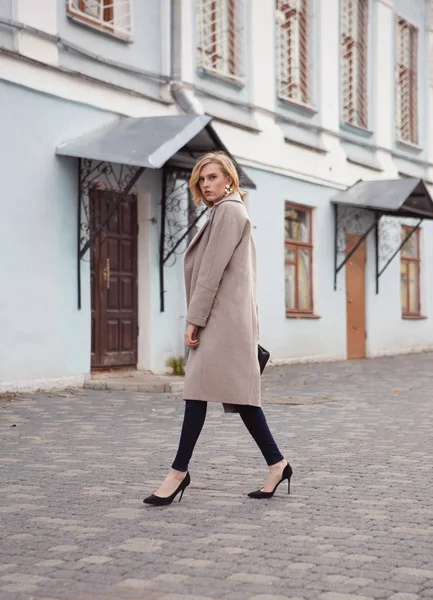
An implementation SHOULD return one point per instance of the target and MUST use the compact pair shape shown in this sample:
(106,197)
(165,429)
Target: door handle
(107,273)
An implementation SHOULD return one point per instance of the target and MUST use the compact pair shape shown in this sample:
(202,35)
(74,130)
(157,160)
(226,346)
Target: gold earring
(228,190)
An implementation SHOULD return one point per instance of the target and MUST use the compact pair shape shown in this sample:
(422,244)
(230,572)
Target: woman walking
(222,326)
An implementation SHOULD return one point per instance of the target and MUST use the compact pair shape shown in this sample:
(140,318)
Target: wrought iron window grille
(179,215)
(354,68)
(99,175)
(293,24)
(112,16)
(179,220)
(407,82)
(220,37)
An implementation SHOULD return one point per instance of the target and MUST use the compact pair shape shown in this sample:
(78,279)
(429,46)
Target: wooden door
(355,299)
(114,284)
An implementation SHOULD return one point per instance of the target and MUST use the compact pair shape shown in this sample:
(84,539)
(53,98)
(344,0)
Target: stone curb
(155,387)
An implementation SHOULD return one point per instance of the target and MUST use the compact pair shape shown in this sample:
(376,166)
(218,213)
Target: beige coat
(220,281)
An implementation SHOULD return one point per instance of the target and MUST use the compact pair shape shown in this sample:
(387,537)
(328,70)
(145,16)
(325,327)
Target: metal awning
(117,155)
(150,142)
(396,197)
(408,198)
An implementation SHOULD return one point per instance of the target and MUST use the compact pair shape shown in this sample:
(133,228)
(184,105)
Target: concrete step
(135,381)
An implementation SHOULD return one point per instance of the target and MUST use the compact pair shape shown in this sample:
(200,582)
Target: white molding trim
(247,162)
(42,385)
(145,287)
(342,358)
(306,359)
(416,350)
(75,87)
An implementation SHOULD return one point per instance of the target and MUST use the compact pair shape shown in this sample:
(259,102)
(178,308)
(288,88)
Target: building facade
(309,96)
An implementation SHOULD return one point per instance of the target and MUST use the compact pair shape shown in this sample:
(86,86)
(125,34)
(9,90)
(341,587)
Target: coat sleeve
(225,234)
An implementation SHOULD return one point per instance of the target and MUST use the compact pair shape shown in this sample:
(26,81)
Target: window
(293,40)
(298,259)
(220,37)
(113,16)
(407,82)
(354,32)
(410,273)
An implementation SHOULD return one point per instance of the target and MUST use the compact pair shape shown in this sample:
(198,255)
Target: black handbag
(264,356)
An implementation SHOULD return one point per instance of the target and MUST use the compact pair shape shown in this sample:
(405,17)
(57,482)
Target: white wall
(43,18)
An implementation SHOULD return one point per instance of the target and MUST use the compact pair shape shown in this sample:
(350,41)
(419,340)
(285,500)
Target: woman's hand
(191,336)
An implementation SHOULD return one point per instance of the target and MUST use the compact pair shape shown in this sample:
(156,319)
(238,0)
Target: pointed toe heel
(287,474)
(159,501)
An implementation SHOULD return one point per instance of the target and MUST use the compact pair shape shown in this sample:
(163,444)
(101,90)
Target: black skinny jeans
(253,418)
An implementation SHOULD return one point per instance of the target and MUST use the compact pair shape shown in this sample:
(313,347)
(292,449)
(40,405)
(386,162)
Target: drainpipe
(182,96)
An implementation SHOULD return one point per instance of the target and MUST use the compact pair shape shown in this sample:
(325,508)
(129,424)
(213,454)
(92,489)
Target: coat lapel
(198,235)
(235,197)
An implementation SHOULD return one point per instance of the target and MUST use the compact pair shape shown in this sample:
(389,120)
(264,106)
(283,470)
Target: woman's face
(212,182)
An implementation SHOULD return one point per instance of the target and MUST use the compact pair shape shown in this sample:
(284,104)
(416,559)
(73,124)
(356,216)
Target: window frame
(234,38)
(297,246)
(359,81)
(411,74)
(406,260)
(303,97)
(108,8)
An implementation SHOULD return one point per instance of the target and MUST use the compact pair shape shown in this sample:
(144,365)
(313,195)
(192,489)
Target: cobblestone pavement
(358,524)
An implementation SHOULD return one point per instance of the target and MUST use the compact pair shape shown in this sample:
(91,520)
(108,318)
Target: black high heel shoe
(287,473)
(158,501)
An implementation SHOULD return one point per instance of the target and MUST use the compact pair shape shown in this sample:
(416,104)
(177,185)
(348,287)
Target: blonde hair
(228,168)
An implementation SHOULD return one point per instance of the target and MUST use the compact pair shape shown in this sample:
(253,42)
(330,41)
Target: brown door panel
(114,285)
(355,299)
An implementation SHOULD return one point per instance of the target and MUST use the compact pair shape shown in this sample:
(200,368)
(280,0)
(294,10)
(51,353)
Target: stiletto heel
(287,474)
(159,501)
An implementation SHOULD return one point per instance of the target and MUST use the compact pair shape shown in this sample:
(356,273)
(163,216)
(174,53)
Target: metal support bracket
(113,208)
(179,216)
(375,226)
(89,177)
(337,267)
(379,272)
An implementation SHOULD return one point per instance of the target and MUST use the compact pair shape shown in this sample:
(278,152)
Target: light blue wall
(325,338)
(6,9)
(7,37)
(43,335)
(387,332)
(144,51)
(168,327)
(322,338)
(412,10)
